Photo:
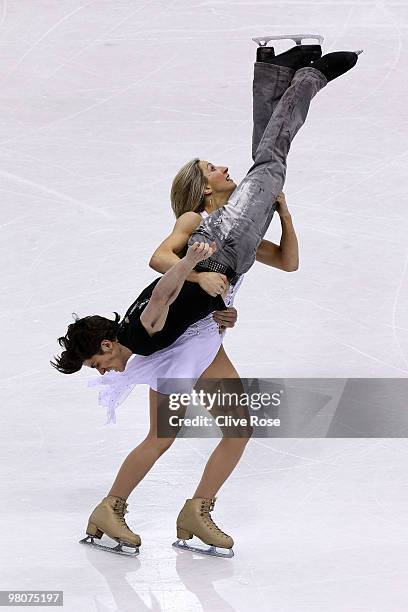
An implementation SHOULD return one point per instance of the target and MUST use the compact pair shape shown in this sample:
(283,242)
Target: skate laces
(120,508)
(207,505)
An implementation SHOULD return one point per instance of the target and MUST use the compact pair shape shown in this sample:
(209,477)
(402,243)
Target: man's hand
(282,208)
(213,283)
(199,251)
(225,318)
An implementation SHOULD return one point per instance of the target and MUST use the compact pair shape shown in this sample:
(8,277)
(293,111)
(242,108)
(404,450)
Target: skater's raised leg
(269,84)
(272,76)
(239,226)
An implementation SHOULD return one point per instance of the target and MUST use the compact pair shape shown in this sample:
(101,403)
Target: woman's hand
(225,318)
(213,283)
(282,208)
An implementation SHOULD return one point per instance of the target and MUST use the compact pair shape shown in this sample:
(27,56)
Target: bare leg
(219,466)
(143,457)
(228,452)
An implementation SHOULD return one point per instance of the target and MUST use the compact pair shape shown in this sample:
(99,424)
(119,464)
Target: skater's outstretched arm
(284,256)
(154,316)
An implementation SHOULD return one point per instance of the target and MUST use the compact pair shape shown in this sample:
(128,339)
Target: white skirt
(181,364)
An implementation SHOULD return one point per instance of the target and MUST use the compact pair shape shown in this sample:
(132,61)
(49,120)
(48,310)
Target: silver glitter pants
(281,100)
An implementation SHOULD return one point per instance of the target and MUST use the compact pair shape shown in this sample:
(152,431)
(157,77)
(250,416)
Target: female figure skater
(267,173)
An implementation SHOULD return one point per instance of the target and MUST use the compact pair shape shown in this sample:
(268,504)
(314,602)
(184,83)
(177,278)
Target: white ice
(100,104)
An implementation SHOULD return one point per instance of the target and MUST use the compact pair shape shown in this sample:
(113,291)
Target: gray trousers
(281,100)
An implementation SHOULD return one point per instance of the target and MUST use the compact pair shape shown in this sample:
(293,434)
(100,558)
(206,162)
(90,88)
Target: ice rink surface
(101,103)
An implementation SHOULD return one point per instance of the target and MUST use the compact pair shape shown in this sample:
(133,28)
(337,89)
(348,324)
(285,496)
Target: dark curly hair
(83,340)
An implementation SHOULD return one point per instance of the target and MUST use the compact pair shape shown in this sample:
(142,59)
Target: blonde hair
(187,189)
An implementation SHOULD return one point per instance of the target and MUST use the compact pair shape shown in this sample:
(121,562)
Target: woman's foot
(333,65)
(299,56)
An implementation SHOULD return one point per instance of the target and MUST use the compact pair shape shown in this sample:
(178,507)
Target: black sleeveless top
(191,305)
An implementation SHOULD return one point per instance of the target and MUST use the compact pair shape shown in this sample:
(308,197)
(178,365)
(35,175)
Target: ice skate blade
(212,551)
(297,38)
(89,540)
